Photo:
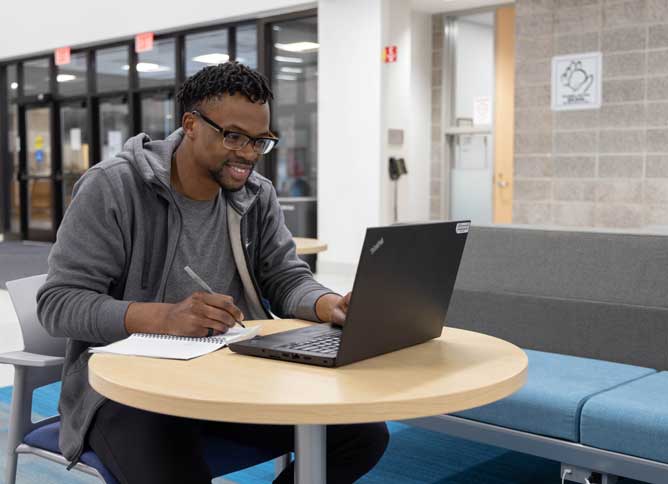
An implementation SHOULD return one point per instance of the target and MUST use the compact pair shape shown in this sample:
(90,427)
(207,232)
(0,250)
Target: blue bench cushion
(557,387)
(223,456)
(631,419)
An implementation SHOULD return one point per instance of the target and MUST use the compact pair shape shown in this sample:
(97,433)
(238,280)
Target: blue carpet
(415,456)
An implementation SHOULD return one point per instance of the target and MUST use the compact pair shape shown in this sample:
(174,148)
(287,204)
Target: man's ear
(188,124)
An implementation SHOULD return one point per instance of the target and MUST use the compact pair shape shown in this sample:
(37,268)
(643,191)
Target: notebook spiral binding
(170,337)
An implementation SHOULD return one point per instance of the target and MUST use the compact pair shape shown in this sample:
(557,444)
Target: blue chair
(39,364)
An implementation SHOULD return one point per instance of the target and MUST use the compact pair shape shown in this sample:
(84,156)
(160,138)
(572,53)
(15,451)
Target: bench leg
(585,476)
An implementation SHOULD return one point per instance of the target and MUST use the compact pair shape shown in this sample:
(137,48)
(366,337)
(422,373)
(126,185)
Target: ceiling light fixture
(292,60)
(147,67)
(214,58)
(65,77)
(286,77)
(292,70)
(298,46)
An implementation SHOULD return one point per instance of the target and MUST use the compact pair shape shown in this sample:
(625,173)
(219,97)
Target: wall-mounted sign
(144,42)
(390,54)
(576,81)
(63,56)
(482,111)
(395,137)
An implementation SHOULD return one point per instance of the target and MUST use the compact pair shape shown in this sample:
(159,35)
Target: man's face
(229,168)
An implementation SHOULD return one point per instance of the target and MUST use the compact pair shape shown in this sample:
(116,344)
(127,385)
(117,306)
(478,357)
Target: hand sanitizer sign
(576,81)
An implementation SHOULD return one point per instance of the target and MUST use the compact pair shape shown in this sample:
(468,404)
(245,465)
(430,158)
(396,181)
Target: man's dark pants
(141,447)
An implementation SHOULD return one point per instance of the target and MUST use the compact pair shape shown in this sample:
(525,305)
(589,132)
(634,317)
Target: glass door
(38,178)
(114,125)
(470,70)
(294,71)
(14,197)
(157,115)
(75,146)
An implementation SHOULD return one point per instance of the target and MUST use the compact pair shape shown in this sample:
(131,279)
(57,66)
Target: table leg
(310,454)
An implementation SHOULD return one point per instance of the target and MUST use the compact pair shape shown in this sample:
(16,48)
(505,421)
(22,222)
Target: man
(134,223)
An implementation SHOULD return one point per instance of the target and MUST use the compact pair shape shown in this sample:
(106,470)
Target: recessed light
(293,60)
(286,77)
(298,46)
(14,85)
(292,70)
(147,67)
(215,58)
(65,77)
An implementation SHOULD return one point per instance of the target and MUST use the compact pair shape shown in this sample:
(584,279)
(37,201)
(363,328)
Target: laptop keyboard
(326,343)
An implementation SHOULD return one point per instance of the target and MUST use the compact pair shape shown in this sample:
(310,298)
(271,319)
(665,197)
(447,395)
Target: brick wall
(605,167)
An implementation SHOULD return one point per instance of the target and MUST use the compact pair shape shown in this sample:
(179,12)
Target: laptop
(400,298)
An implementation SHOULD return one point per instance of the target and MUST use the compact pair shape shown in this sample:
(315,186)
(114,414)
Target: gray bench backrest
(598,295)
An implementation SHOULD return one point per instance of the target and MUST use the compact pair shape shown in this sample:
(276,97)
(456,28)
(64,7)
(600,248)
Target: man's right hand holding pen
(194,316)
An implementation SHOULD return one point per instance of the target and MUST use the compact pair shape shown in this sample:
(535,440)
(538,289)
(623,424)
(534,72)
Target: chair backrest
(23,293)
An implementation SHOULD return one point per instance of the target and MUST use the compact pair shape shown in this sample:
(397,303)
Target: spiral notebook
(175,347)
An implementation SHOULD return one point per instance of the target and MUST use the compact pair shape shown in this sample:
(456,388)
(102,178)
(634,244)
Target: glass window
(112,69)
(294,81)
(157,115)
(206,49)
(156,67)
(75,146)
(72,78)
(114,125)
(36,77)
(40,189)
(247,45)
(14,147)
(12,82)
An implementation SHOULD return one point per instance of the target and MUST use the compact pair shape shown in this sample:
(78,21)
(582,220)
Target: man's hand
(333,308)
(191,317)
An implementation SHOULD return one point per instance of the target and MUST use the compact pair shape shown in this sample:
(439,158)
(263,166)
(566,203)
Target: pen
(204,286)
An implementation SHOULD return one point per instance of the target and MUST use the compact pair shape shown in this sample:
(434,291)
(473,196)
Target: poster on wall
(576,81)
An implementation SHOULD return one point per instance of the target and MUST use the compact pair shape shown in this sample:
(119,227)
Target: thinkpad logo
(377,246)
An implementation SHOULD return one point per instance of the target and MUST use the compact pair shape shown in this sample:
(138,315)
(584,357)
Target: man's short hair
(229,78)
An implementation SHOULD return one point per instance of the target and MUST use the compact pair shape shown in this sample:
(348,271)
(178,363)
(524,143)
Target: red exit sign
(144,42)
(390,54)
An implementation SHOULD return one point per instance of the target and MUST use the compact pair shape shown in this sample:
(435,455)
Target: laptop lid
(402,288)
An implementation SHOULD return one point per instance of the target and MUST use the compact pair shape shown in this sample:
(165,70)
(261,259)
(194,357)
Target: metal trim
(58,459)
(573,453)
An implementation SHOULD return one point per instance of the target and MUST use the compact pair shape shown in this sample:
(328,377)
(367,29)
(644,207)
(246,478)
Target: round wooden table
(457,371)
(307,246)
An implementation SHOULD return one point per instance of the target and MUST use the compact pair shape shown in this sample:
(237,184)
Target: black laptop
(401,294)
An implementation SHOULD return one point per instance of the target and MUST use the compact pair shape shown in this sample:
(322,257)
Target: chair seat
(556,389)
(631,419)
(223,456)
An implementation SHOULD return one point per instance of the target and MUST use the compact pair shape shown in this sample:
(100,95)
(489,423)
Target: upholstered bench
(591,311)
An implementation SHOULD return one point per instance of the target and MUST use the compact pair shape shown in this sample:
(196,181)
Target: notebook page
(174,347)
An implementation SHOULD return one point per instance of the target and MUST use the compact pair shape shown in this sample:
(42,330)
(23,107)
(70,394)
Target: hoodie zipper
(242,226)
(87,422)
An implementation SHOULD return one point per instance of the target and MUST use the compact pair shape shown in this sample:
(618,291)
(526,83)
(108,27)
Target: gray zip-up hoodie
(116,245)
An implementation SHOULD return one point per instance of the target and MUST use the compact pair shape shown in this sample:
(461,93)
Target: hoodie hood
(153,162)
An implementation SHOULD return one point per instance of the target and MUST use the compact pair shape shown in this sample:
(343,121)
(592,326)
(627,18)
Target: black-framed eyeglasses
(233,140)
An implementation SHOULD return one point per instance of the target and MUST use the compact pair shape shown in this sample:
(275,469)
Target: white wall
(33,27)
(349,137)
(406,98)
(416,202)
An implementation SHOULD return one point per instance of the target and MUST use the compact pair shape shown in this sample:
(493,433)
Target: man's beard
(217,175)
